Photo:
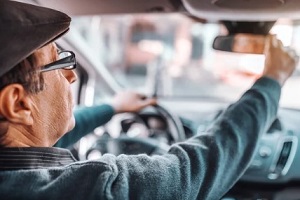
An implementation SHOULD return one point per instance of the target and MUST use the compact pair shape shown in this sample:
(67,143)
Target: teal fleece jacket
(205,166)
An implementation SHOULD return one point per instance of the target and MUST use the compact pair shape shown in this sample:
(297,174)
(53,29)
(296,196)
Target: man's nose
(70,75)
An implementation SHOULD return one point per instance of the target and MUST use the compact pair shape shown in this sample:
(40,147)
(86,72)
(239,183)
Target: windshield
(171,55)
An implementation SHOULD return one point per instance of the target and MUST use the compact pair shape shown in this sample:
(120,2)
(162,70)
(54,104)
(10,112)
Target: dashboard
(274,171)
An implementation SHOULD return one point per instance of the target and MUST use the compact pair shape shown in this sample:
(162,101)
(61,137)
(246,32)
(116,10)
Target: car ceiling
(211,10)
(89,7)
(244,10)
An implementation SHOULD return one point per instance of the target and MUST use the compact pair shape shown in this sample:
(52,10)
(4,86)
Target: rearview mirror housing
(240,43)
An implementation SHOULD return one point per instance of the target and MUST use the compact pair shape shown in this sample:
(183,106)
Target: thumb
(148,102)
(269,40)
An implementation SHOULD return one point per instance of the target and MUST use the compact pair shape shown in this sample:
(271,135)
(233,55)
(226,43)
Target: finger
(276,43)
(279,43)
(153,101)
(268,44)
(149,102)
(142,96)
(296,57)
(292,53)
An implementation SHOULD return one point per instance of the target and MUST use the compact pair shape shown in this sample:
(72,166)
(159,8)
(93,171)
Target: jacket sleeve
(205,166)
(87,119)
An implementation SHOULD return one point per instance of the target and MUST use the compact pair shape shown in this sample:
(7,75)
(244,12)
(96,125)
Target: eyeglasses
(66,61)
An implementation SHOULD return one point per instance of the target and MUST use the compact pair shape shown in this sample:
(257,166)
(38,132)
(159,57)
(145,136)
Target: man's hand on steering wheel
(129,101)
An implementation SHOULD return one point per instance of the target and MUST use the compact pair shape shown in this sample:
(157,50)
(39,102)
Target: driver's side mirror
(240,43)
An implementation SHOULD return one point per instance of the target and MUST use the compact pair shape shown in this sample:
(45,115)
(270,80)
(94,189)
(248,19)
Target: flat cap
(25,28)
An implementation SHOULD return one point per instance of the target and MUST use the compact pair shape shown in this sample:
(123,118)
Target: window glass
(172,55)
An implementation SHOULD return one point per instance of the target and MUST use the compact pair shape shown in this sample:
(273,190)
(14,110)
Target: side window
(77,86)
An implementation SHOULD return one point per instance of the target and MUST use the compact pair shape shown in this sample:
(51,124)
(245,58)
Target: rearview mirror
(240,43)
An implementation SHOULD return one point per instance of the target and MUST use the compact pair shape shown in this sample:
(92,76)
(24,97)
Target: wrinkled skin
(39,119)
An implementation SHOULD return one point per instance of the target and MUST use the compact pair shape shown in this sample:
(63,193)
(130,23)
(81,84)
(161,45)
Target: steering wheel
(125,144)
(174,126)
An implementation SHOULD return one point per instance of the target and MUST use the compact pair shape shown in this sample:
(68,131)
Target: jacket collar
(34,157)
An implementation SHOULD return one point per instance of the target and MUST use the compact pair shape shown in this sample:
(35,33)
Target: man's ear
(15,104)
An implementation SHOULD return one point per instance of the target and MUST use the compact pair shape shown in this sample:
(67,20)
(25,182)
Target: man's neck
(19,137)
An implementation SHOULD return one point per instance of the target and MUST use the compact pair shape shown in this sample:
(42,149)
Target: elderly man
(36,110)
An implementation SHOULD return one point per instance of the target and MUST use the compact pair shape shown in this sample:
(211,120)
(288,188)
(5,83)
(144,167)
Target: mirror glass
(240,43)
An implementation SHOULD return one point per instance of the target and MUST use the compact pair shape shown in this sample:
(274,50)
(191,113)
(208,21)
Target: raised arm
(207,165)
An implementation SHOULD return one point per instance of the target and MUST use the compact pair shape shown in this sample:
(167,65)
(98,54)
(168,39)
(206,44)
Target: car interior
(197,57)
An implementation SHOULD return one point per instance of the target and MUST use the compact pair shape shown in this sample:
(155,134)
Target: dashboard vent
(284,155)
